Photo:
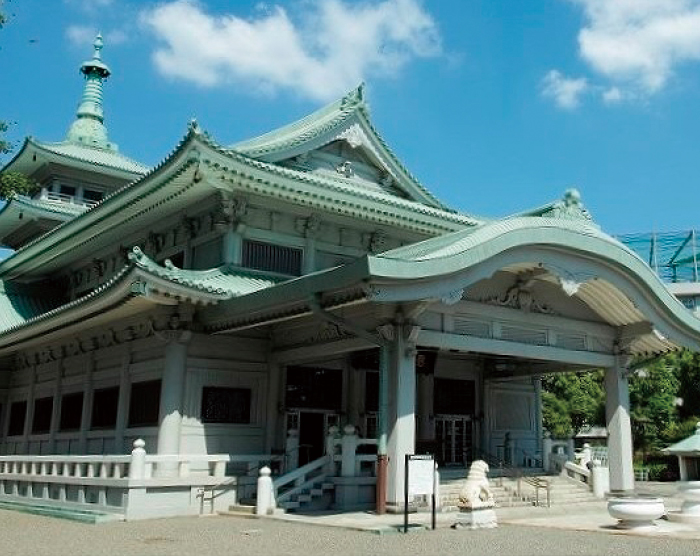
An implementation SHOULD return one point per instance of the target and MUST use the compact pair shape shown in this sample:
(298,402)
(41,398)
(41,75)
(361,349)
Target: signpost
(419,480)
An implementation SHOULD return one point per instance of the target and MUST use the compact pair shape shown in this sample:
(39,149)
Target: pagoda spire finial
(88,127)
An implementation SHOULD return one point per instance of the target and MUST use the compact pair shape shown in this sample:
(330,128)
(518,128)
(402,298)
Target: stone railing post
(546,450)
(570,452)
(600,479)
(292,450)
(137,468)
(586,455)
(331,438)
(265,501)
(349,448)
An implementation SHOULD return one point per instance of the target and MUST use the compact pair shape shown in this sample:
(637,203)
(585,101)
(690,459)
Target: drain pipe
(377,340)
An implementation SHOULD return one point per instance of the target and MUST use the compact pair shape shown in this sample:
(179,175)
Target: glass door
(454,439)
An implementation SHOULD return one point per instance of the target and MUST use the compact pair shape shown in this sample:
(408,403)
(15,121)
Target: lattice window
(273,258)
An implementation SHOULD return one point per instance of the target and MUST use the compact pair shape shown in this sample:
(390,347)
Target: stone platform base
(476,519)
(680,517)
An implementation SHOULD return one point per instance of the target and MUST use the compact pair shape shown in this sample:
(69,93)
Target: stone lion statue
(476,493)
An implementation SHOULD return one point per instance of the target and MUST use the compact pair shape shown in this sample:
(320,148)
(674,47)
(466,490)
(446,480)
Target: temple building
(235,303)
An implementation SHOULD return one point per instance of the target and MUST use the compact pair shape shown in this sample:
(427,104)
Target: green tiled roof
(687,445)
(58,208)
(18,305)
(228,281)
(19,309)
(94,155)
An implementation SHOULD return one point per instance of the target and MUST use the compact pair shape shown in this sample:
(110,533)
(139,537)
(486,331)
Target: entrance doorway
(453,434)
(454,405)
(313,427)
(314,401)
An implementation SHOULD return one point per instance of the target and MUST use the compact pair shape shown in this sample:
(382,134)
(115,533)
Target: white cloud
(84,36)
(327,48)
(640,43)
(612,95)
(565,91)
(89,5)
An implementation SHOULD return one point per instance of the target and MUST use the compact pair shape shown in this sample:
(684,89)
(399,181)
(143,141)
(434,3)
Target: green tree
(653,407)
(572,401)
(688,366)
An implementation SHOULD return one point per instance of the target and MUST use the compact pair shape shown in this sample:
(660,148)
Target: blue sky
(497,106)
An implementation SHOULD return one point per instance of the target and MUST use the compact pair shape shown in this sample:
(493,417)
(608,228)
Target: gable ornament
(569,208)
(353,136)
(345,169)
(519,297)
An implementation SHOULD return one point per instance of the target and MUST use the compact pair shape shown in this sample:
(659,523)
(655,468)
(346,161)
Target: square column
(617,415)
(402,409)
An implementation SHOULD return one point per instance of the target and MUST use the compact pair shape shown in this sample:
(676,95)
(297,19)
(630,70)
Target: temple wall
(225,362)
(212,362)
(512,408)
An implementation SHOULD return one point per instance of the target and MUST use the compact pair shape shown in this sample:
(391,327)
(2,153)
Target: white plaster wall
(225,362)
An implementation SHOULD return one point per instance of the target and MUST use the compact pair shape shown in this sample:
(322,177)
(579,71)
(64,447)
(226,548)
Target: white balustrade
(87,479)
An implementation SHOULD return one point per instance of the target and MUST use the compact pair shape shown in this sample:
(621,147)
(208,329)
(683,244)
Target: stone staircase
(315,497)
(507,494)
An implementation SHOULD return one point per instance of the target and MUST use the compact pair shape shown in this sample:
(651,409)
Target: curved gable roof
(345,119)
(612,280)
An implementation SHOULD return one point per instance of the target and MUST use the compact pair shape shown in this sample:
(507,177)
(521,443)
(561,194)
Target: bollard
(265,501)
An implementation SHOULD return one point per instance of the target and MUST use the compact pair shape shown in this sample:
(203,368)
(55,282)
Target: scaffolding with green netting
(673,255)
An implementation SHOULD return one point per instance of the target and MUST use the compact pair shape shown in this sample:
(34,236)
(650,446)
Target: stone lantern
(688,453)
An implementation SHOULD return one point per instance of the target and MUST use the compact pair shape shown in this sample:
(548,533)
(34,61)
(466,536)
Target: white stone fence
(137,485)
(345,461)
(555,453)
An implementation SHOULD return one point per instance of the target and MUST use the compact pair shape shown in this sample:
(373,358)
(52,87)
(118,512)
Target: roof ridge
(351,102)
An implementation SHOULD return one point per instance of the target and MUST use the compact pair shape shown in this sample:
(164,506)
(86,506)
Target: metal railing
(516,473)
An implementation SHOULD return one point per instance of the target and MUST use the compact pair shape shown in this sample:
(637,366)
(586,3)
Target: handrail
(298,477)
(516,473)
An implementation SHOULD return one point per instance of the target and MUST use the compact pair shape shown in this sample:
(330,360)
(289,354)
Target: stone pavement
(591,516)
(577,530)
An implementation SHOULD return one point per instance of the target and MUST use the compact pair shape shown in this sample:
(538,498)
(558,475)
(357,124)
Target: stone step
(62,512)
(242,509)
(563,491)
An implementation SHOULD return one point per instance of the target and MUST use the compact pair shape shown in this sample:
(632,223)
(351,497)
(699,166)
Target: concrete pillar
(402,424)
(56,408)
(29,415)
(292,451)
(123,405)
(426,398)
(617,415)
(171,397)
(348,450)
(86,415)
(231,246)
(546,451)
(273,405)
(354,396)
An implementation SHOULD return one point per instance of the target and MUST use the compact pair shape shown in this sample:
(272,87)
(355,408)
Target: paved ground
(572,531)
